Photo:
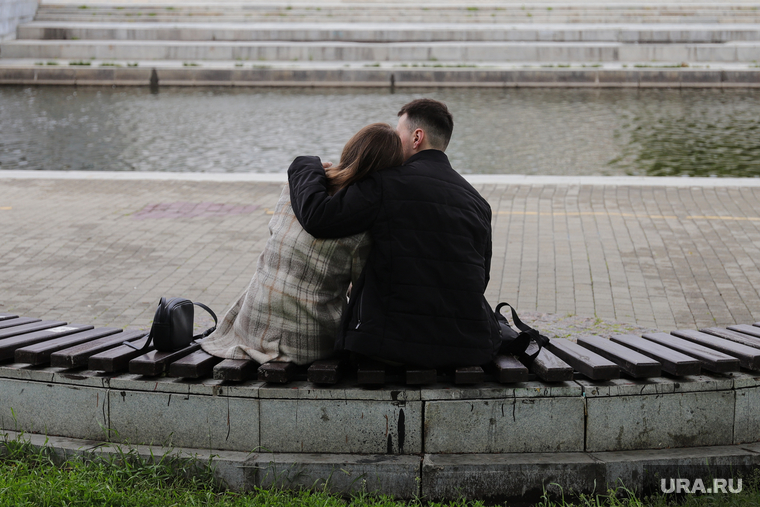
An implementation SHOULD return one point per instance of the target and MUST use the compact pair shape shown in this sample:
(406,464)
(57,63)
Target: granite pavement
(573,255)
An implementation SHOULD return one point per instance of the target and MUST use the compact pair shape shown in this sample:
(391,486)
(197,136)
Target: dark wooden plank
(746,329)
(711,360)
(38,332)
(547,366)
(744,334)
(78,355)
(415,376)
(117,358)
(20,321)
(157,362)
(672,362)
(586,362)
(635,364)
(326,371)
(236,370)
(509,369)
(7,316)
(749,357)
(469,375)
(370,372)
(196,365)
(277,372)
(40,353)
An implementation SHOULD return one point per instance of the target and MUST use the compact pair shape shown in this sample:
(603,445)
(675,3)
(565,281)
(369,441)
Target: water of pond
(656,132)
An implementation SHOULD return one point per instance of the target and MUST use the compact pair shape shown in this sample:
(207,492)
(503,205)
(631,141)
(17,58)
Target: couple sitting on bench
(400,228)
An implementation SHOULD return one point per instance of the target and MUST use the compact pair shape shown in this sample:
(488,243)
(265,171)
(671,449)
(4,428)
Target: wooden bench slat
(672,362)
(277,372)
(157,362)
(509,369)
(40,353)
(236,370)
(586,362)
(415,376)
(746,329)
(78,355)
(711,360)
(117,358)
(198,364)
(29,326)
(326,371)
(18,321)
(36,332)
(7,316)
(469,375)
(746,335)
(370,372)
(631,362)
(547,366)
(749,357)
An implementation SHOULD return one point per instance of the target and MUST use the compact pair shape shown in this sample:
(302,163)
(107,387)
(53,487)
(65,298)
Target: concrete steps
(388,32)
(426,11)
(451,52)
(342,40)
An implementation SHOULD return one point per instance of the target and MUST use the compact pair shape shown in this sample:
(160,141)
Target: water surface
(658,132)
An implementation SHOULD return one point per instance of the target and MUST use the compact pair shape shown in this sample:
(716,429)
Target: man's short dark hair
(433,117)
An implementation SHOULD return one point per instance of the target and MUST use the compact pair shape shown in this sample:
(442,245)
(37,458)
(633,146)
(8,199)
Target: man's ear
(418,138)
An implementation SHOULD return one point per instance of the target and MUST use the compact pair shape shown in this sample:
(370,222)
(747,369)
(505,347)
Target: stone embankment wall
(13,12)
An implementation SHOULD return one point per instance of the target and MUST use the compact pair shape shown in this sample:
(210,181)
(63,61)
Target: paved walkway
(657,253)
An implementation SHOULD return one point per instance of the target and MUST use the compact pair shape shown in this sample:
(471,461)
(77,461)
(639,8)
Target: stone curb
(380,77)
(427,476)
(475,179)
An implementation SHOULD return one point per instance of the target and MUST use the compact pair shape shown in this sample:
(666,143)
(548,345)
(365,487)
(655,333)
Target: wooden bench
(34,342)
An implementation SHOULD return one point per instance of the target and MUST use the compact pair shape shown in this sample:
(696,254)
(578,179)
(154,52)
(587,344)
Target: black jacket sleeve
(348,212)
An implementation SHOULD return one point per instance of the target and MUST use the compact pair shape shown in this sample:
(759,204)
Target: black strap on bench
(516,343)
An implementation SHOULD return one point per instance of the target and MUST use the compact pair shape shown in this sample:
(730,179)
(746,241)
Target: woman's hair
(374,147)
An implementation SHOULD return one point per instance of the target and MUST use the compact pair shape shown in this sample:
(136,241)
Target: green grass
(81,62)
(34,477)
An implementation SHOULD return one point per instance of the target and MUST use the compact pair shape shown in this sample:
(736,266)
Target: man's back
(420,298)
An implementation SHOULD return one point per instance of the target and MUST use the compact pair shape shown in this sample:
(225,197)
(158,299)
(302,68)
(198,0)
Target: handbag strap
(540,339)
(209,330)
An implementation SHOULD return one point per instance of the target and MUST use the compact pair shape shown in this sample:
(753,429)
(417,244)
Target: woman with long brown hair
(292,308)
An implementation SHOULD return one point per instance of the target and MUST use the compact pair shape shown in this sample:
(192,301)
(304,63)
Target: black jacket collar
(431,155)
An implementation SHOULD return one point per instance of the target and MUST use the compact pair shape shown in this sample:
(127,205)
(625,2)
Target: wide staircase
(366,34)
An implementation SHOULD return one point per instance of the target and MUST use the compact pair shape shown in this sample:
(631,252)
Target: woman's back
(292,308)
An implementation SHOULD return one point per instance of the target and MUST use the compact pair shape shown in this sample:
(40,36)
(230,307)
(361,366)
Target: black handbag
(516,343)
(172,327)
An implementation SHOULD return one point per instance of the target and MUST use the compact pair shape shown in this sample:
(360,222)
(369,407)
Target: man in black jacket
(420,299)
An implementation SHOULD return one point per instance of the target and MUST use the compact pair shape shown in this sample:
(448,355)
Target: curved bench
(442,436)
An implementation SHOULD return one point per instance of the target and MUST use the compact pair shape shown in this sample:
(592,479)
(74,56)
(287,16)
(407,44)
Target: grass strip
(31,476)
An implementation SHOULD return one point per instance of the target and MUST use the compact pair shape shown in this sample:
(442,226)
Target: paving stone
(168,419)
(50,409)
(496,426)
(396,476)
(342,426)
(667,420)
(523,476)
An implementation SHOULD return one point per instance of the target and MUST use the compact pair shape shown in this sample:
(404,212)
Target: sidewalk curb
(475,179)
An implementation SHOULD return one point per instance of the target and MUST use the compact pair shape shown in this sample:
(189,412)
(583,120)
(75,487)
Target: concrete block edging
(381,78)
(532,417)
